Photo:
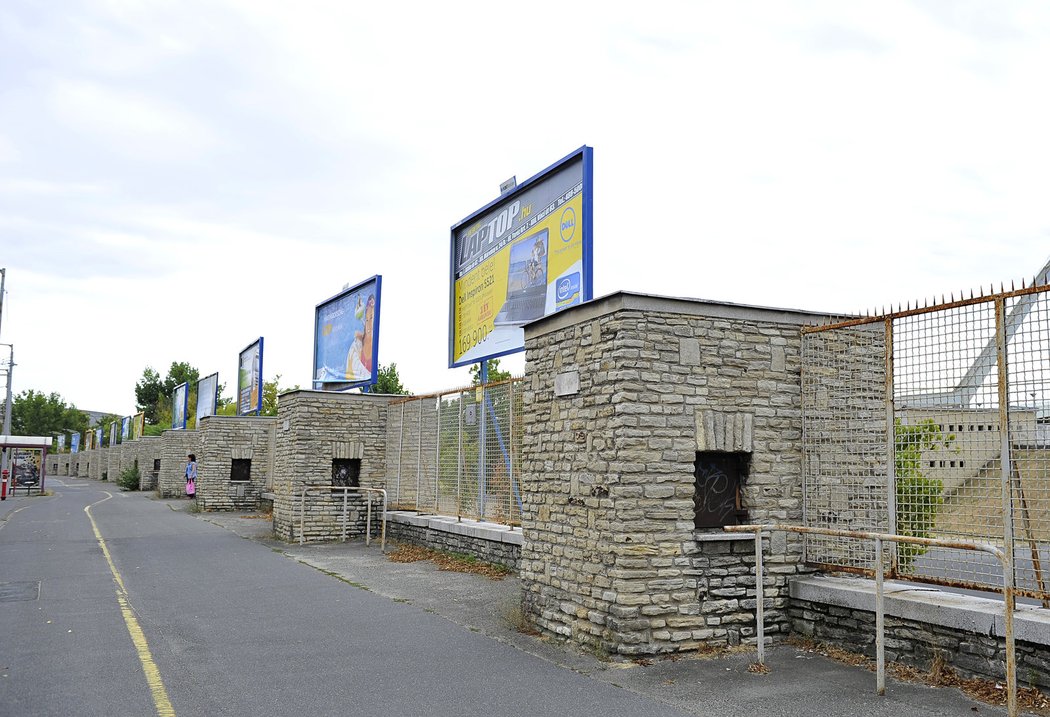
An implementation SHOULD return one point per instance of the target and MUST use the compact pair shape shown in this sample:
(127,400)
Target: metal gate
(934,422)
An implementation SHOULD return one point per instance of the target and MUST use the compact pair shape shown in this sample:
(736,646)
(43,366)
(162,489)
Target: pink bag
(191,489)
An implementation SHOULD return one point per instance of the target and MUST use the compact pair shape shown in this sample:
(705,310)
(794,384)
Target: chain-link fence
(458,453)
(934,422)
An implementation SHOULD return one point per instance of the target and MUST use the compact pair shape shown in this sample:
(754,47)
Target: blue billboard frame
(584,153)
(370,381)
(185,386)
(215,400)
(257,410)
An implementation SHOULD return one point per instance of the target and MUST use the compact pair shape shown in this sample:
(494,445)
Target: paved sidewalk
(798,683)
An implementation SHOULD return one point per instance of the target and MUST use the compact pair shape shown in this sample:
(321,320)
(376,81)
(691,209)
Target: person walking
(191,476)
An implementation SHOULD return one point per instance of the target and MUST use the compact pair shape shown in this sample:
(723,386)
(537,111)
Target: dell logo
(567,224)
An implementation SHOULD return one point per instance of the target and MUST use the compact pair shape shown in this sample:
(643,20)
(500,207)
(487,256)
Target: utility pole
(7,403)
(5,463)
(3,277)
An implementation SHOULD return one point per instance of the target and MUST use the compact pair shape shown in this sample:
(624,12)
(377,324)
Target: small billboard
(346,338)
(523,256)
(138,425)
(74,446)
(125,428)
(61,442)
(98,437)
(113,434)
(249,379)
(180,401)
(207,396)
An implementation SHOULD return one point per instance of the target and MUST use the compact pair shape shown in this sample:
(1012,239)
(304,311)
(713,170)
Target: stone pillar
(314,428)
(621,395)
(223,441)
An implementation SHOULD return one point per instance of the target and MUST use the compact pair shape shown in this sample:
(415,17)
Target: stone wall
(174,447)
(137,453)
(60,463)
(148,453)
(83,463)
(620,395)
(99,464)
(922,623)
(113,457)
(313,428)
(221,440)
(488,542)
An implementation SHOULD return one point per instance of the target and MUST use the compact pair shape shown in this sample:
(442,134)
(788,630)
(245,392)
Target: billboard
(61,442)
(524,256)
(98,437)
(346,338)
(138,425)
(125,428)
(74,446)
(180,401)
(207,396)
(113,434)
(249,379)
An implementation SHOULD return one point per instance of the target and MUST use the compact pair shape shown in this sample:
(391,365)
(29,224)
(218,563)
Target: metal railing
(878,570)
(346,490)
(458,452)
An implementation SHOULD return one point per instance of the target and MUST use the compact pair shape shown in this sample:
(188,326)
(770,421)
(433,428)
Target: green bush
(919,498)
(129,478)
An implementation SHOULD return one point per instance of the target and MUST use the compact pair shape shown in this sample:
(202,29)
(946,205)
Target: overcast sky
(178,178)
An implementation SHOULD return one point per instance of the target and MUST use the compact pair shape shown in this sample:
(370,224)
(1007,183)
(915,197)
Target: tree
(388,381)
(918,498)
(270,394)
(495,374)
(37,414)
(148,391)
(104,423)
(153,396)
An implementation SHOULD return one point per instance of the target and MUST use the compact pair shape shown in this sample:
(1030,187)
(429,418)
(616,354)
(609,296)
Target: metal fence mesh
(458,452)
(903,433)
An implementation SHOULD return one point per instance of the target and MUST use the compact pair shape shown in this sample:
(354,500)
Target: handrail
(346,491)
(877,570)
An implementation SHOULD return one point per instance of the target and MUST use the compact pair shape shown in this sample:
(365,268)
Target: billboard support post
(483,376)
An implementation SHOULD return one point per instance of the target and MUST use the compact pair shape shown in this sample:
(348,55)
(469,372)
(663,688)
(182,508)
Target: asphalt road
(237,626)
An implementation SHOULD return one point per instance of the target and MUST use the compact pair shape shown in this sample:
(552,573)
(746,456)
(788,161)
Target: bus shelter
(8,444)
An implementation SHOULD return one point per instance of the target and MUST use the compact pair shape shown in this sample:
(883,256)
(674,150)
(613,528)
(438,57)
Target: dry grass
(259,516)
(453,562)
(940,674)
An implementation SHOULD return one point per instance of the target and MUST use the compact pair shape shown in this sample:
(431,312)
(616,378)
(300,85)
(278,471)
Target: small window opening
(719,480)
(346,472)
(241,470)
(156,465)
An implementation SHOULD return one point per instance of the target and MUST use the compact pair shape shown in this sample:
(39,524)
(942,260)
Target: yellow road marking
(138,638)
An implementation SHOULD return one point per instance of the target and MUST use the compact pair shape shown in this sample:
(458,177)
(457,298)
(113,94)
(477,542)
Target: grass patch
(515,617)
(452,562)
(337,576)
